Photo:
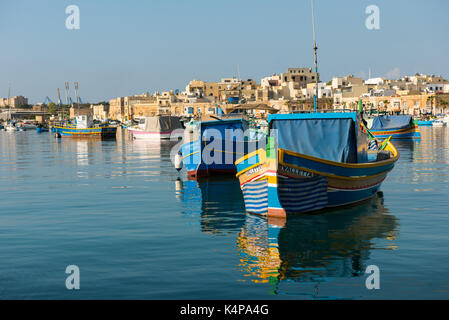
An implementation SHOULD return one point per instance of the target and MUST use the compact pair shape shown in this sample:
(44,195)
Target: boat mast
(9,98)
(315,49)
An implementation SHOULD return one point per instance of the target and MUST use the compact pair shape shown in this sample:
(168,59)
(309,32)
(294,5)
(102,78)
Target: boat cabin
(84,121)
(334,137)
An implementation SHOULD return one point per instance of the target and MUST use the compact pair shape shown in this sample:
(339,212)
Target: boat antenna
(9,99)
(315,49)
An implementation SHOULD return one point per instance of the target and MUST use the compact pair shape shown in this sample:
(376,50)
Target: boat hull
(406,133)
(291,183)
(197,167)
(40,130)
(139,134)
(102,132)
(425,123)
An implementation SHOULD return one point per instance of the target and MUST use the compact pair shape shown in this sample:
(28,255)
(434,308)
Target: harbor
(139,229)
(168,159)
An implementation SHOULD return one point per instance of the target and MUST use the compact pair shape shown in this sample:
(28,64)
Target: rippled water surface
(137,229)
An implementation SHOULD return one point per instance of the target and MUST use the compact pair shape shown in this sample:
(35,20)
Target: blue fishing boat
(312,162)
(396,127)
(212,147)
(425,123)
(41,129)
(84,127)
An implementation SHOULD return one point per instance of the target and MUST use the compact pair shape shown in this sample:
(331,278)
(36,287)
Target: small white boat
(10,127)
(438,123)
(29,125)
(158,127)
(446,119)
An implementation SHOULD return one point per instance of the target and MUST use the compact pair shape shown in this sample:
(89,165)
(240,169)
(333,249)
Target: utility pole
(315,49)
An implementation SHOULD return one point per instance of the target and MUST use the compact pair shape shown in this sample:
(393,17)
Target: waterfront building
(14,102)
(100,111)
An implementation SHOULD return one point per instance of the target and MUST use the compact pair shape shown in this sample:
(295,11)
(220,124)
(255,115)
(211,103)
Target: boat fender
(178,161)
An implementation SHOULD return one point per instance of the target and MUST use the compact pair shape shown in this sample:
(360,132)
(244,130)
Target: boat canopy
(328,136)
(226,129)
(161,123)
(391,122)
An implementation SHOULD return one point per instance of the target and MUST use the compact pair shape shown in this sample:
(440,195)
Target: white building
(324,91)
(375,81)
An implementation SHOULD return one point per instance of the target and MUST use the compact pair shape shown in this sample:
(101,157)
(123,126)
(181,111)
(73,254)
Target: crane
(59,98)
(47,100)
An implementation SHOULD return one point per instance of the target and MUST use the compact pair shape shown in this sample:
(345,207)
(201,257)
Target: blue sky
(134,46)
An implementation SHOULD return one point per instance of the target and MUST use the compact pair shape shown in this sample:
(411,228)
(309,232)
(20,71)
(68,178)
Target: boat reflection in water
(219,202)
(314,248)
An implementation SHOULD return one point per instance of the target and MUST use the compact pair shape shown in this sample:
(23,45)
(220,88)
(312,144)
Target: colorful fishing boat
(425,123)
(84,127)
(396,127)
(439,123)
(157,127)
(212,147)
(312,162)
(41,129)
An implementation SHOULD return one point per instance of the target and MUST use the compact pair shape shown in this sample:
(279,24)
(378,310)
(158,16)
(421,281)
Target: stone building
(14,102)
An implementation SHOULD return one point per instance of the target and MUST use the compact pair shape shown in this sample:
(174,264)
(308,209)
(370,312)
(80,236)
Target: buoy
(178,161)
(57,135)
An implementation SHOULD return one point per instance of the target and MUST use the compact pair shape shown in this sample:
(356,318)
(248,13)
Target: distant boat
(439,123)
(398,127)
(84,127)
(211,147)
(29,125)
(41,129)
(10,127)
(328,166)
(157,127)
(424,123)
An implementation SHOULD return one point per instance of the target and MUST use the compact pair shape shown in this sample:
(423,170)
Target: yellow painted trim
(82,128)
(334,175)
(338,164)
(249,155)
(249,168)
(190,154)
(378,133)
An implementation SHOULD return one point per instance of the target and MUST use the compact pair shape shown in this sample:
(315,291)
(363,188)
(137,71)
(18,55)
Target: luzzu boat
(425,123)
(311,162)
(396,127)
(41,129)
(84,127)
(212,147)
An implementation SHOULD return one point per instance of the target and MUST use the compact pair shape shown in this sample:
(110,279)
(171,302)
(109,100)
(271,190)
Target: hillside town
(286,92)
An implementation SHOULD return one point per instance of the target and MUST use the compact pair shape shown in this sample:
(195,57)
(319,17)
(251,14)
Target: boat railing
(324,111)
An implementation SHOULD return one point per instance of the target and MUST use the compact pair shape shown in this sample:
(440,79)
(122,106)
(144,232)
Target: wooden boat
(312,162)
(157,127)
(425,123)
(438,123)
(398,127)
(84,127)
(212,147)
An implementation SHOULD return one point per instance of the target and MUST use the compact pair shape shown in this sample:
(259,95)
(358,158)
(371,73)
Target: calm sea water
(137,229)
